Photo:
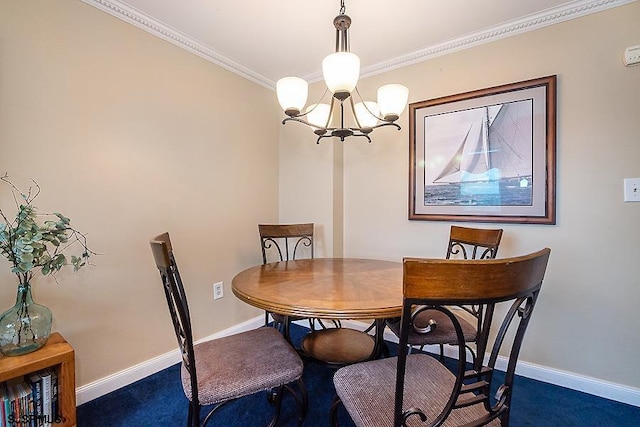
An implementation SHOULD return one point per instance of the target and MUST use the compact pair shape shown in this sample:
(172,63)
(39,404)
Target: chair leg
(441,353)
(333,411)
(193,419)
(286,329)
(302,398)
(380,348)
(504,419)
(274,397)
(304,407)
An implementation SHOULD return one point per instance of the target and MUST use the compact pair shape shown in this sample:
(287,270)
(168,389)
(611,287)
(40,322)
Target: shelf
(57,353)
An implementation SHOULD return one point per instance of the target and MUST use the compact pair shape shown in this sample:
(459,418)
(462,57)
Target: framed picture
(486,155)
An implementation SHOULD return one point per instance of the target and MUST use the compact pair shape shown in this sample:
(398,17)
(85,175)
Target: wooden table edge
(378,313)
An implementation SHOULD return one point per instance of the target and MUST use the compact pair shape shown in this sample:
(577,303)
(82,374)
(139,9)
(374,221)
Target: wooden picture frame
(486,155)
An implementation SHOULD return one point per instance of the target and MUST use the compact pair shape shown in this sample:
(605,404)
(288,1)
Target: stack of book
(31,401)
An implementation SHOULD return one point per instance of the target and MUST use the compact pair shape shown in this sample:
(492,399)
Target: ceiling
(265,40)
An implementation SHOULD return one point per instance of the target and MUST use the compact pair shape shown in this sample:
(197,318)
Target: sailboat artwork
(480,156)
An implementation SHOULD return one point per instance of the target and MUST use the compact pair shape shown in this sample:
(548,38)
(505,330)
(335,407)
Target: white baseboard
(597,387)
(594,386)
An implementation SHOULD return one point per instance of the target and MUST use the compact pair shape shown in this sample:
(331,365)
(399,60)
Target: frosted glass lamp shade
(392,100)
(318,114)
(367,115)
(341,71)
(292,94)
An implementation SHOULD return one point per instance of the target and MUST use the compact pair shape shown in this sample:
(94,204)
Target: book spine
(55,407)
(36,388)
(3,410)
(5,404)
(13,412)
(46,397)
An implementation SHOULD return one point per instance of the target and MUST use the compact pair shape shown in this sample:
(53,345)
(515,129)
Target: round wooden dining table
(328,288)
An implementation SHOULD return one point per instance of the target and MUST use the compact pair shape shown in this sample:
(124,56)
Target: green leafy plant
(34,242)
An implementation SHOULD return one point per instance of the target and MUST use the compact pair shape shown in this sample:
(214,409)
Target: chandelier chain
(342,7)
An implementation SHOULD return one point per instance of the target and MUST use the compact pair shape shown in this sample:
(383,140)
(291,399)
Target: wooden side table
(58,354)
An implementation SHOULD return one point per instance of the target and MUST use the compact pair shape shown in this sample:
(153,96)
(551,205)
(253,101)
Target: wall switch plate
(632,189)
(218,290)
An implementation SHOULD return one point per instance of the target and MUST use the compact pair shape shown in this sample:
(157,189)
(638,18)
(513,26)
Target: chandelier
(341,71)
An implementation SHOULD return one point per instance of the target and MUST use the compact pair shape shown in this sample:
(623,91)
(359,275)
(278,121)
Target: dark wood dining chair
(417,389)
(284,242)
(218,371)
(432,327)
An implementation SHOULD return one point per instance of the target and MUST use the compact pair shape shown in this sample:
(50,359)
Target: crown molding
(532,22)
(159,29)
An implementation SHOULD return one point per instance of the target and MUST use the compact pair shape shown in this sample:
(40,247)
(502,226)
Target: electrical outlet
(632,189)
(632,55)
(218,290)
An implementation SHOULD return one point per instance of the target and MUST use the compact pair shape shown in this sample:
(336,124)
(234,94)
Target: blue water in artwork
(505,192)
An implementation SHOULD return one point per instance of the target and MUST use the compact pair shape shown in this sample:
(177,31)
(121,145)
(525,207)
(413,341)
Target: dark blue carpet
(158,400)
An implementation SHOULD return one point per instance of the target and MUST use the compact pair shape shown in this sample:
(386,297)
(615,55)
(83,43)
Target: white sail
(497,145)
(511,139)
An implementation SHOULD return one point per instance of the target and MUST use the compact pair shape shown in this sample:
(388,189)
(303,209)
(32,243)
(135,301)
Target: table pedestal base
(339,346)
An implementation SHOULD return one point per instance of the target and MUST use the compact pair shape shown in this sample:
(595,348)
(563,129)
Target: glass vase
(26,326)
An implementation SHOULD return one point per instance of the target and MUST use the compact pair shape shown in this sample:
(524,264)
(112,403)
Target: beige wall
(311,181)
(95,110)
(131,136)
(587,319)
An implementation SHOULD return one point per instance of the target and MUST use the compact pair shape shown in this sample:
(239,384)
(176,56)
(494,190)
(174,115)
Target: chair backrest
(177,302)
(473,243)
(438,283)
(282,242)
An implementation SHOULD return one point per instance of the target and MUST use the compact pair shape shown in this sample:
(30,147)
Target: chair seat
(225,372)
(367,391)
(444,333)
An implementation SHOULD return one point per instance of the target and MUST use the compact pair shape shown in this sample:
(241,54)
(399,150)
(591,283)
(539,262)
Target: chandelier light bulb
(318,114)
(292,94)
(367,115)
(341,71)
(392,100)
